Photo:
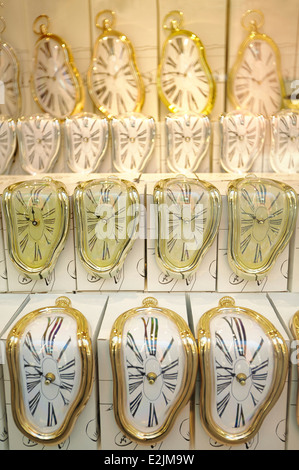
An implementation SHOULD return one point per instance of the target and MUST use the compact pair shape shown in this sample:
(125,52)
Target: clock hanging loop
(108,20)
(173,21)
(41,27)
(252,20)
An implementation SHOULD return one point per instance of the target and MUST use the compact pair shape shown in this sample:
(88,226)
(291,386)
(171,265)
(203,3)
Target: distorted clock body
(154,363)
(255,82)
(243,367)
(87,140)
(133,137)
(11,98)
(39,141)
(8,142)
(262,217)
(242,139)
(107,219)
(56,83)
(187,219)
(114,81)
(188,139)
(51,365)
(37,221)
(284,157)
(184,80)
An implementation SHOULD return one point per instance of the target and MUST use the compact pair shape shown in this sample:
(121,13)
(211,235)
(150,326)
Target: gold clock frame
(150,304)
(281,359)
(12,355)
(254,35)
(69,60)
(82,242)
(175,31)
(236,265)
(107,26)
(216,203)
(36,273)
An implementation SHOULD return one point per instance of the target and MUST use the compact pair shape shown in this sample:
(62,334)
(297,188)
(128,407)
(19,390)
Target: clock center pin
(151,377)
(49,378)
(241,378)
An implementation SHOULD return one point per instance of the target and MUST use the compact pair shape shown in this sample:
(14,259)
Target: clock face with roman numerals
(114,81)
(48,361)
(37,215)
(284,157)
(107,215)
(56,84)
(11,100)
(185,82)
(8,143)
(255,82)
(39,139)
(188,215)
(240,370)
(262,216)
(151,367)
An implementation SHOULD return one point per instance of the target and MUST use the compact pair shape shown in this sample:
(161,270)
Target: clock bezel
(150,306)
(63,198)
(87,377)
(274,123)
(238,266)
(280,349)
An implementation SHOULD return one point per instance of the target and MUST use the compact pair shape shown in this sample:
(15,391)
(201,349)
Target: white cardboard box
(85,434)
(112,437)
(286,305)
(272,432)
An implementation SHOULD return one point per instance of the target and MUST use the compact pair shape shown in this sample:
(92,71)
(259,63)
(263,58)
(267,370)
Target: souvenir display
(284,155)
(37,220)
(114,81)
(242,140)
(133,138)
(154,363)
(51,366)
(10,93)
(56,84)
(184,81)
(39,143)
(107,220)
(87,141)
(262,216)
(243,368)
(188,139)
(187,220)
(8,142)
(255,81)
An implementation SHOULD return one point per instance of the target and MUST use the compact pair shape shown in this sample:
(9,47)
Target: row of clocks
(188,139)
(262,218)
(242,360)
(184,80)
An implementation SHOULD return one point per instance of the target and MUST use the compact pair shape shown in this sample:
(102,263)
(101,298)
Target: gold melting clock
(255,82)
(56,83)
(243,362)
(184,80)
(284,156)
(114,82)
(37,221)
(51,366)
(188,213)
(107,221)
(154,363)
(262,217)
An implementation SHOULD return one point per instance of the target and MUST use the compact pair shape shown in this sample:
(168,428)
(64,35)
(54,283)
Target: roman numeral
(244,243)
(52,420)
(222,404)
(34,402)
(135,403)
(133,346)
(258,254)
(152,337)
(240,420)
(152,416)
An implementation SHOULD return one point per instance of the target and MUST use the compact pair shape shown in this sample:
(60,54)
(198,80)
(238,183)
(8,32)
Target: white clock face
(188,138)
(7,143)
(87,136)
(114,82)
(285,142)
(54,82)
(10,103)
(242,364)
(153,361)
(51,369)
(39,139)
(256,84)
(132,140)
(242,139)
(183,79)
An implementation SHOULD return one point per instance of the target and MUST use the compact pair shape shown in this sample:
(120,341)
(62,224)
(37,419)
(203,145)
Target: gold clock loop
(173,21)
(252,20)
(40,27)
(108,20)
